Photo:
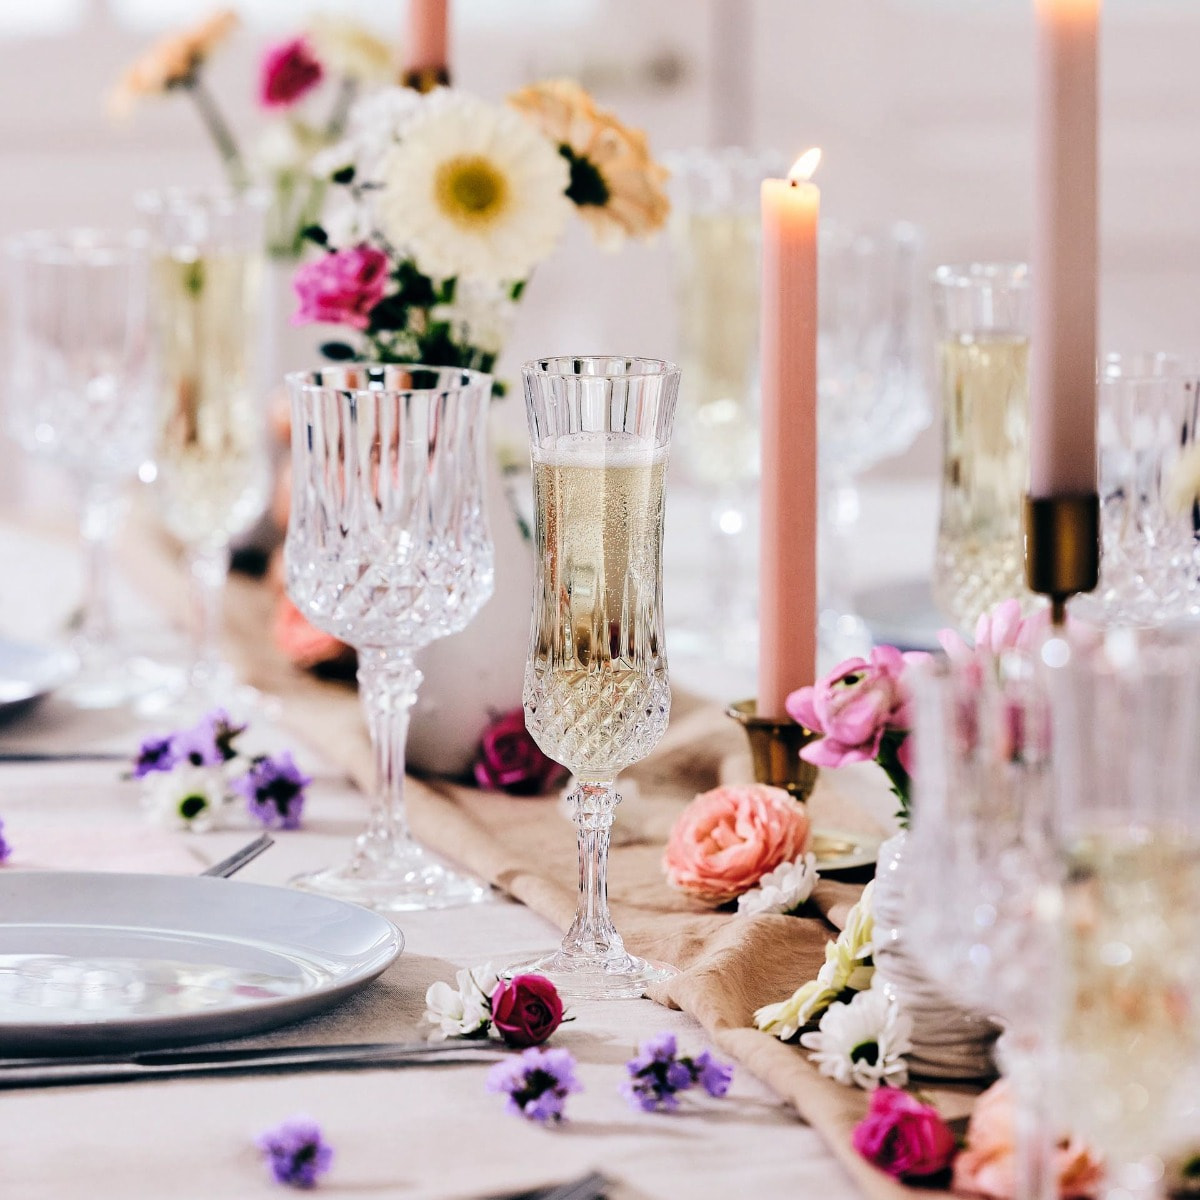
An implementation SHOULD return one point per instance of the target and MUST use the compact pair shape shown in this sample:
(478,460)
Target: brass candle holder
(1062,547)
(775,747)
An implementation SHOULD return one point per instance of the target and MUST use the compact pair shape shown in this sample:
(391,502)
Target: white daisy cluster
(864,1042)
(782,890)
(465,1010)
(848,967)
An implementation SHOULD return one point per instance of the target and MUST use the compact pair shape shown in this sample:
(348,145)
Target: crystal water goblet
(597,697)
(211,451)
(80,395)
(387,549)
(1127,1024)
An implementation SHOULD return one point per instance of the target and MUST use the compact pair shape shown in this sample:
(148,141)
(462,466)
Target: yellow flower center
(471,191)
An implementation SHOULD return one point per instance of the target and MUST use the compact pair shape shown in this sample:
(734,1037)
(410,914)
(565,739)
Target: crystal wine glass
(211,452)
(79,394)
(597,698)
(1128,1030)
(388,549)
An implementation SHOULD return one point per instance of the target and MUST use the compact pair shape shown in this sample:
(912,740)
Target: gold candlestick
(775,750)
(1062,547)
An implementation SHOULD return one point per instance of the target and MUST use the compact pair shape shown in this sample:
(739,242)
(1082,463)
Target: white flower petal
(863,1042)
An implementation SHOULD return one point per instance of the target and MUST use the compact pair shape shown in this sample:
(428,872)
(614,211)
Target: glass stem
(1034,1117)
(209,568)
(388,680)
(100,516)
(592,934)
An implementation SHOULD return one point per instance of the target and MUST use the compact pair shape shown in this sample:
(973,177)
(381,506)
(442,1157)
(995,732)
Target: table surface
(409,1133)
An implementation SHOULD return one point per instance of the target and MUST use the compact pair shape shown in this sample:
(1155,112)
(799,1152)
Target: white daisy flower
(463,1011)
(186,798)
(863,1042)
(782,890)
(473,190)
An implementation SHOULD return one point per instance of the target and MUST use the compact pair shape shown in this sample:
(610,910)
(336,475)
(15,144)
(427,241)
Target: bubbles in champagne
(596,691)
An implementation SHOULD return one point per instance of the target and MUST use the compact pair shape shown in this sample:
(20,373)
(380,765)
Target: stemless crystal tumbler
(79,394)
(982,312)
(213,474)
(388,549)
(597,697)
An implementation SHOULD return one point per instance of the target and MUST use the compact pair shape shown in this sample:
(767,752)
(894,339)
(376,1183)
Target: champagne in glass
(984,362)
(597,697)
(213,474)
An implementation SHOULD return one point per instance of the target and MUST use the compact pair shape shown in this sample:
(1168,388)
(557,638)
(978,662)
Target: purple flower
(5,847)
(658,1073)
(208,744)
(296,1152)
(274,791)
(154,754)
(537,1083)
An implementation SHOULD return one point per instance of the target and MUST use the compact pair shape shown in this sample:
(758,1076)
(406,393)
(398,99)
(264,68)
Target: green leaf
(345,175)
(337,351)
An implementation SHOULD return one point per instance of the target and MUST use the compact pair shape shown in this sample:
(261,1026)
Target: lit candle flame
(803,168)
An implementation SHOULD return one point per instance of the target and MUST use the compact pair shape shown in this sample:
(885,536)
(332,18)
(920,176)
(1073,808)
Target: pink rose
(1001,629)
(289,70)
(726,840)
(509,760)
(987,1164)
(853,707)
(526,1009)
(902,1136)
(341,288)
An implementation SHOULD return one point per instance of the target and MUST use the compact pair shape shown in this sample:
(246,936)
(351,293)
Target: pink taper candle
(1062,433)
(787,610)
(426,48)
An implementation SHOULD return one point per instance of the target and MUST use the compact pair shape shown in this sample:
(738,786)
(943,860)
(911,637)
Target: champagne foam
(599,449)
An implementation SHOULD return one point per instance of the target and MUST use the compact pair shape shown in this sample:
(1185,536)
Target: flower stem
(347,93)
(219,131)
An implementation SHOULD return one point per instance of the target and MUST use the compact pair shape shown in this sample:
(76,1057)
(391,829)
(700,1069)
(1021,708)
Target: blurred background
(923,108)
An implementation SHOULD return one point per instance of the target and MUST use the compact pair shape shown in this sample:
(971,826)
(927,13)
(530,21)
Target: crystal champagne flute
(79,394)
(597,698)
(213,472)
(387,549)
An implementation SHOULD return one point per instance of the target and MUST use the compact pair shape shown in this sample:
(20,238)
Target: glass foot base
(408,883)
(585,978)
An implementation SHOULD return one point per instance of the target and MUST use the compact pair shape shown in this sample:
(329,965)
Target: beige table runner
(729,965)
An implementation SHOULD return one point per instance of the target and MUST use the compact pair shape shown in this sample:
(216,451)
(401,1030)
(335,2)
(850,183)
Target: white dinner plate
(843,850)
(29,672)
(107,962)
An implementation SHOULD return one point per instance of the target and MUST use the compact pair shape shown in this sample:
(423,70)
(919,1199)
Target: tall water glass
(388,549)
(79,394)
(1127,761)
(213,473)
(597,698)
(982,313)
(1148,407)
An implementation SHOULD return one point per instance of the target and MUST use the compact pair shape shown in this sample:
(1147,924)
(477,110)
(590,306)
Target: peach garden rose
(727,839)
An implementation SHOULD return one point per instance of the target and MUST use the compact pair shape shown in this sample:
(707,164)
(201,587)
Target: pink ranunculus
(853,707)
(341,288)
(726,840)
(1001,629)
(987,1164)
(902,1136)
(509,760)
(289,71)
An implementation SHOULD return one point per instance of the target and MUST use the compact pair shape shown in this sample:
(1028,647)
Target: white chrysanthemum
(782,890)
(186,798)
(376,123)
(863,1042)
(473,190)
(345,220)
(480,315)
(787,1018)
(463,1011)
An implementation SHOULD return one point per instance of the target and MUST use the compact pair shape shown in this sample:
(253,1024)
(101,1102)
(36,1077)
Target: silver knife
(160,1064)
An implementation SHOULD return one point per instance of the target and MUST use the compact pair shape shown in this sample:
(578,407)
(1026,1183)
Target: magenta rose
(341,288)
(902,1136)
(526,1010)
(289,70)
(509,760)
(854,706)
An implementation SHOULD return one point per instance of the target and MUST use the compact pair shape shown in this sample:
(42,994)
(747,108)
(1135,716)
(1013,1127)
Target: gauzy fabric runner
(729,965)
